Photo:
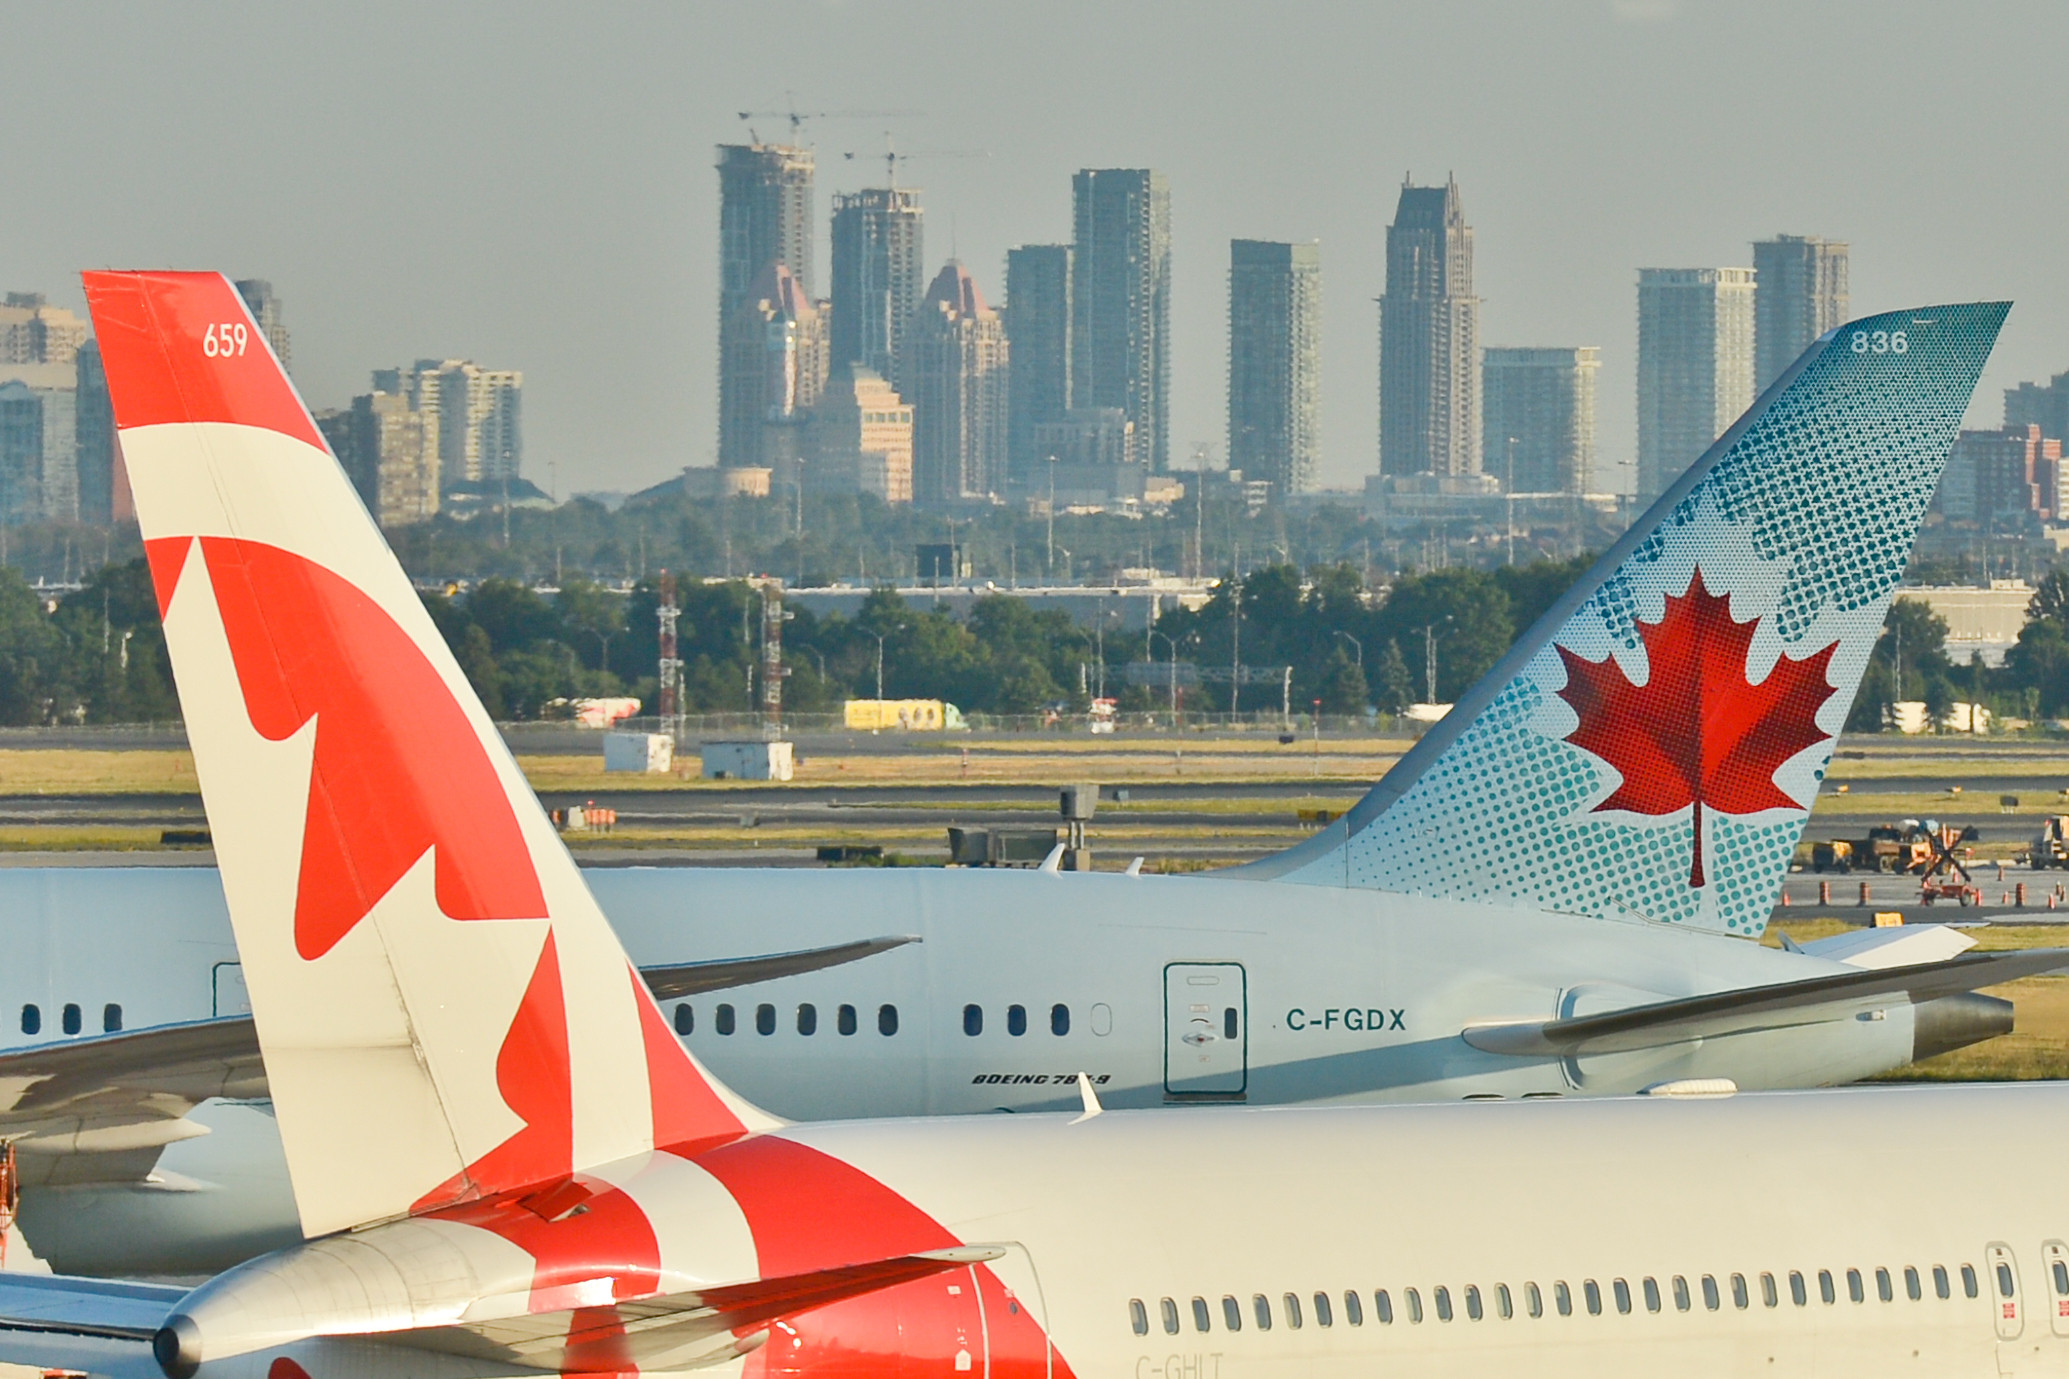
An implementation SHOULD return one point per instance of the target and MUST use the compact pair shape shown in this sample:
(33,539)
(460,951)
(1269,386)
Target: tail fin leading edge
(1651,748)
(444,1010)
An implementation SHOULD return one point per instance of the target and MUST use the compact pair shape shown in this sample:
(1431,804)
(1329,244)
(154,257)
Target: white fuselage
(1827,1234)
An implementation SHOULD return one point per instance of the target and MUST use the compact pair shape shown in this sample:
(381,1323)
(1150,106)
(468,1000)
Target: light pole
(1356,645)
(880,658)
(1429,654)
(1512,500)
(1235,646)
(1173,644)
(1052,519)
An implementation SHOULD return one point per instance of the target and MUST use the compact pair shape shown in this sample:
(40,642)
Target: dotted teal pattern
(1806,520)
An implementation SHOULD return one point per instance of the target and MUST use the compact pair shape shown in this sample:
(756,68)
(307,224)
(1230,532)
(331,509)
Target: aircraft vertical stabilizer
(444,1011)
(1652,747)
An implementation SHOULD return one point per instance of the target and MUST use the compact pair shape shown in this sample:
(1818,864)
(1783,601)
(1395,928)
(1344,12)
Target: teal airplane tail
(1652,747)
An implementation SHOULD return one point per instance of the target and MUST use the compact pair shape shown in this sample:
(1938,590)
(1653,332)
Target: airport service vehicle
(504,1163)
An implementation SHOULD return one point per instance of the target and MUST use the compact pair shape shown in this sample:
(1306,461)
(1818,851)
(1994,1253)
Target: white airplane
(504,1164)
(1550,896)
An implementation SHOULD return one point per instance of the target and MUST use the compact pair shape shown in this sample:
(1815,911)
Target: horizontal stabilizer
(721,974)
(1758,1007)
(84,1324)
(681,1330)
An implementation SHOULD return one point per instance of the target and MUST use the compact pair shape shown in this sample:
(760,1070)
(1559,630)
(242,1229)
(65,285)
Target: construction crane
(797,118)
(892,157)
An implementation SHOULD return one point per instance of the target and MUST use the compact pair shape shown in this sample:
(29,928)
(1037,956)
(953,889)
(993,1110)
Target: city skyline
(591,180)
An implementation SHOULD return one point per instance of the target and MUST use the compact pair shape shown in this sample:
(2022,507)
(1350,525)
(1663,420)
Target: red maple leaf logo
(1697,732)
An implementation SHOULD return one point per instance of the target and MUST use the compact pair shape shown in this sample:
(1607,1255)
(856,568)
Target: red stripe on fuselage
(808,1210)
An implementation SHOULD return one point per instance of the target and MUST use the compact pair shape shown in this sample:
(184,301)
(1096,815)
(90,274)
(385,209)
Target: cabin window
(685,1018)
(1854,1290)
(1826,1289)
(1682,1302)
(1413,1301)
(723,1021)
(1562,1298)
(1228,1022)
(71,1019)
(1884,1288)
(1503,1308)
(1739,1297)
(973,1020)
(1383,1307)
(1797,1294)
(1353,1309)
(844,1020)
(1293,1310)
(1940,1286)
(2061,1277)
(2004,1281)
(1169,1309)
(1968,1280)
(1138,1317)
(1592,1295)
(1016,1020)
(1231,1314)
(1768,1297)
(1323,1316)
(111,1018)
(1710,1298)
(1914,1290)
(887,1020)
(1623,1295)
(1533,1301)
(1652,1295)
(1442,1297)
(1202,1319)
(808,1019)
(765,1018)
(1059,1020)
(1473,1310)
(1261,1306)
(32,1020)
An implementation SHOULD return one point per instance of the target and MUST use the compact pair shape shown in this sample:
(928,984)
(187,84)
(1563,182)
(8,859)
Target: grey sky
(532,185)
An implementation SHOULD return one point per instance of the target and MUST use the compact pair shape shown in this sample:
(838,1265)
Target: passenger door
(1206,1031)
(2054,1260)
(230,995)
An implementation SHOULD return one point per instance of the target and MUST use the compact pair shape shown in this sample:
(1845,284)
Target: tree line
(97,654)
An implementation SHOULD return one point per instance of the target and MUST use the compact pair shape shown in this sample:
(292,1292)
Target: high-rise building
(38,444)
(773,362)
(1695,365)
(1801,294)
(1274,362)
(264,302)
(1120,315)
(1538,418)
(1038,327)
(384,446)
(99,474)
(2045,405)
(34,332)
(861,439)
(471,418)
(955,367)
(879,246)
(764,218)
(1429,339)
(2003,478)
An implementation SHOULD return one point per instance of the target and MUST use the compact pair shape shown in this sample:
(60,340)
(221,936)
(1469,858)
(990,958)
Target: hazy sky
(532,186)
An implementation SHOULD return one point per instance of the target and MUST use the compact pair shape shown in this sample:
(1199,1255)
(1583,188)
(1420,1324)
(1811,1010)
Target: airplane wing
(1758,1007)
(100,1109)
(92,1326)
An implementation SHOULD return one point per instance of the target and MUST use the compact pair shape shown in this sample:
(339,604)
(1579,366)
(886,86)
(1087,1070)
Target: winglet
(1090,1099)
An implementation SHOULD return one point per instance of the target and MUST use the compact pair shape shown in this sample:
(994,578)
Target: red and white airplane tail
(445,1012)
